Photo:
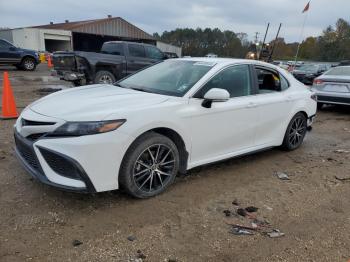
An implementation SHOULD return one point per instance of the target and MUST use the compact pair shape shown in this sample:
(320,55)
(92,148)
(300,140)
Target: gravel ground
(186,223)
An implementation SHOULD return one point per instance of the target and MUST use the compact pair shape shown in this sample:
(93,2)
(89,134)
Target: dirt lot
(187,223)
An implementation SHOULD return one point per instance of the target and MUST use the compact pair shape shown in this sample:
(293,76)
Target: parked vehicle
(171,55)
(307,73)
(23,59)
(166,119)
(333,87)
(116,60)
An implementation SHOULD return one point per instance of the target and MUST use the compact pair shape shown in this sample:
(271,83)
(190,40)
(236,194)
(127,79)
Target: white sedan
(139,133)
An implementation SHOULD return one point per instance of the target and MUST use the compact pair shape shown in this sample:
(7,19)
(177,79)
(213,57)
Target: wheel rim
(29,64)
(154,168)
(297,131)
(105,79)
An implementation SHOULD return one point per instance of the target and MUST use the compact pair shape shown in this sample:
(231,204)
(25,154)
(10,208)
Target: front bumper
(84,164)
(27,156)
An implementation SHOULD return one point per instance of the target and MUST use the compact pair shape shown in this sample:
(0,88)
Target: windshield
(339,71)
(309,68)
(171,77)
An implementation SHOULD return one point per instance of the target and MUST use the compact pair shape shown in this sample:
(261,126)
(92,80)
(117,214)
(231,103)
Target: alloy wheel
(105,79)
(297,131)
(154,168)
(29,64)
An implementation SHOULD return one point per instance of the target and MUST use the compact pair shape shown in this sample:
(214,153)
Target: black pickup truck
(116,60)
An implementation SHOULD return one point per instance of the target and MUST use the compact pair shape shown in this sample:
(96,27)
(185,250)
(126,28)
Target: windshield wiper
(117,84)
(141,89)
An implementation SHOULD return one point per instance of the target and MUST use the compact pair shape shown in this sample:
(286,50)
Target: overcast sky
(248,16)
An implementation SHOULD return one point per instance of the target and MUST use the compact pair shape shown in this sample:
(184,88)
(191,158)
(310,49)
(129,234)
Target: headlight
(87,128)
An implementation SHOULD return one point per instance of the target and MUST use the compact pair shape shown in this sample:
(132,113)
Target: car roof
(229,61)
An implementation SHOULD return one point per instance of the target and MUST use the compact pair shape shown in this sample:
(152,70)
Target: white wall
(34,38)
(169,48)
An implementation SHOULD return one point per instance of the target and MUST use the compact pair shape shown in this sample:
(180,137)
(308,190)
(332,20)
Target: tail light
(318,82)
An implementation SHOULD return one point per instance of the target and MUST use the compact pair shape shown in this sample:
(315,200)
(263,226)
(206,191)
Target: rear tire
(28,64)
(104,77)
(149,166)
(295,132)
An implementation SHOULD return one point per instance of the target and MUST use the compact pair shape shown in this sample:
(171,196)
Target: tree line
(332,45)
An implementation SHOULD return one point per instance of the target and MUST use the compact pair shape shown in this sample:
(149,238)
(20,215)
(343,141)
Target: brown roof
(114,26)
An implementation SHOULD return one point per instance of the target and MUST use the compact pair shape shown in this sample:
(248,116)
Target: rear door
(137,58)
(274,103)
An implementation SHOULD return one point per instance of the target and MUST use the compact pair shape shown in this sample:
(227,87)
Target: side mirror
(215,95)
(12,48)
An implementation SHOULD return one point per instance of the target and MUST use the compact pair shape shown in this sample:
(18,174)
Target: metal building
(88,35)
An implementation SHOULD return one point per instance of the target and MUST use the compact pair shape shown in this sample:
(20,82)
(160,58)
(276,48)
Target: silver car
(333,87)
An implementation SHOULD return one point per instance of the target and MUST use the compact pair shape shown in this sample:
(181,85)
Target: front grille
(60,164)
(34,137)
(27,152)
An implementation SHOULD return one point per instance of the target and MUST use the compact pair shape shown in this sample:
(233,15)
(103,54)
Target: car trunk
(335,84)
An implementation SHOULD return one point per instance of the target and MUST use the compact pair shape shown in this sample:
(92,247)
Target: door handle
(289,98)
(251,105)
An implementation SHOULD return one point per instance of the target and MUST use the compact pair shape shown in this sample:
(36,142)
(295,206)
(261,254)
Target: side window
(113,49)
(284,83)
(4,45)
(136,50)
(269,81)
(235,79)
(153,52)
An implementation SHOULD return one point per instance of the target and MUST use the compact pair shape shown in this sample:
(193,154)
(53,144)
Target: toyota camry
(139,133)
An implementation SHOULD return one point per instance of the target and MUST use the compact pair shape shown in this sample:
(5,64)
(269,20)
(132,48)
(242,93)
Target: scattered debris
(282,176)
(235,202)
(140,254)
(275,233)
(268,207)
(342,178)
(131,238)
(76,243)
(240,231)
(242,212)
(251,209)
(342,151)
(227,212)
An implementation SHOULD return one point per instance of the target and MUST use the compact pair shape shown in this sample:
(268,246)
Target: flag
(306,7)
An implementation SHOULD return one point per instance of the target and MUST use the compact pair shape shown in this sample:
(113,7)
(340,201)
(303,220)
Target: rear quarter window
(136,50)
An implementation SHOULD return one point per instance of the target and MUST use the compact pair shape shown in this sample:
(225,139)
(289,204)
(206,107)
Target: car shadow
(339,109)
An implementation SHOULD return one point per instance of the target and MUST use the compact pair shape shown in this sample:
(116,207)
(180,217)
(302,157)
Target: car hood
(94,102)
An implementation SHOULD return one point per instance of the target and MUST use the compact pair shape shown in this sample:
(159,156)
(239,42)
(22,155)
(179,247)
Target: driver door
(226,127)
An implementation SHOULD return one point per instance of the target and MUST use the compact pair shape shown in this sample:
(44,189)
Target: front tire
(295,132)
(104,77)
(28,64)
(149,166)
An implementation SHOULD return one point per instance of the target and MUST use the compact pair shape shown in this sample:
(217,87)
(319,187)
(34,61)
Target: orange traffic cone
(49,62)
(9,110)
